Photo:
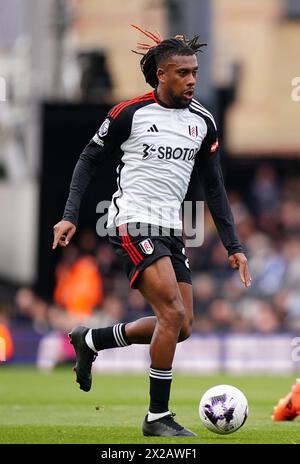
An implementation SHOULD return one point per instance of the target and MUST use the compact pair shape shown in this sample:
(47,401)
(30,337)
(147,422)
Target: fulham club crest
(193,131)
(147,246)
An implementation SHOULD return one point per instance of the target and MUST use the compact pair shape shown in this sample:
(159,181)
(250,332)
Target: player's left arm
(209,168)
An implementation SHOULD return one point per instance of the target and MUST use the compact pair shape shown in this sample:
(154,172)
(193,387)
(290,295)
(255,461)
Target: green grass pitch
(50,408)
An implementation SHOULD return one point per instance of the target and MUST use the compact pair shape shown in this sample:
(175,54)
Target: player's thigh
(182,271)
(159,286)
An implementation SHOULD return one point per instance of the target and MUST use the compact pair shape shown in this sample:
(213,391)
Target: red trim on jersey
(121,106)
(134,278)
(214,146)
(154,97)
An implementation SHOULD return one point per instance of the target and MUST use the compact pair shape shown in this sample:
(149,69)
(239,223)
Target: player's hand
(239,261)
(63,232)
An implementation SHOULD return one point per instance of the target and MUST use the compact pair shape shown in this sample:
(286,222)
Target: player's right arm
(210,172)
(108,137)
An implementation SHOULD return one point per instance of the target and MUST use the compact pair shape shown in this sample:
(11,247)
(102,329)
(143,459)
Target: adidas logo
(153,128)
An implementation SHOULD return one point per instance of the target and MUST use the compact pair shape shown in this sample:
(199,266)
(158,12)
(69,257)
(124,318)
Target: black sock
(160,385)
(110,337)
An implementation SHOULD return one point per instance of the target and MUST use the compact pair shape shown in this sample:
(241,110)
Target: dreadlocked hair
(163,49)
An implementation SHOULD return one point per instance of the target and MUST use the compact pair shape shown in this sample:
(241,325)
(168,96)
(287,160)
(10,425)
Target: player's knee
(186,330)
(173,313)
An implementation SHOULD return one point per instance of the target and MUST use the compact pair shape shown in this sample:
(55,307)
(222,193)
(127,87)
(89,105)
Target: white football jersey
(157,147)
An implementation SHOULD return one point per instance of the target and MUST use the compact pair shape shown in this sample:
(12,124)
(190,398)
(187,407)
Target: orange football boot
(289,407)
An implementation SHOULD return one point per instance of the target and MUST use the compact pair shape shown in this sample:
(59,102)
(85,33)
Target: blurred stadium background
(63,64)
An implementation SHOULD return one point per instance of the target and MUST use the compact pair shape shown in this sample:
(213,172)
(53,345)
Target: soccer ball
(223,409)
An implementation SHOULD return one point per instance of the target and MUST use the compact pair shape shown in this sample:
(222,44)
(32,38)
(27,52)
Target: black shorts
(138,251)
